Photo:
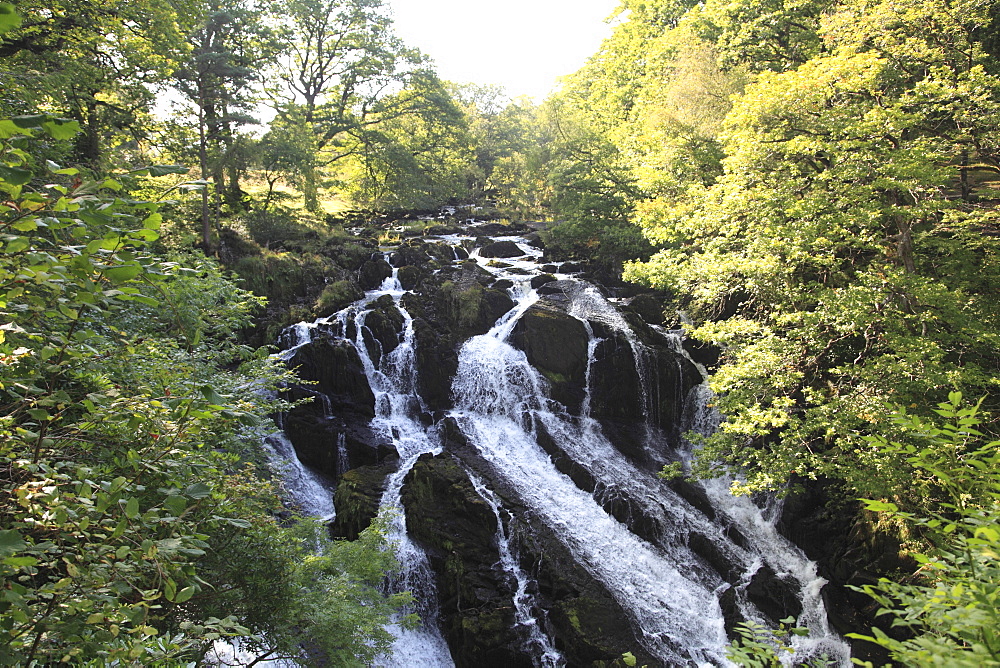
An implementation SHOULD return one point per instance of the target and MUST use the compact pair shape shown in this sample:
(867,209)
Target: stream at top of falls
(669,592)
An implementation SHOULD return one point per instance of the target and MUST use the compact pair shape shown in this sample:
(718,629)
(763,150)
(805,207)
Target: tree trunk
(206,221)
(310,194)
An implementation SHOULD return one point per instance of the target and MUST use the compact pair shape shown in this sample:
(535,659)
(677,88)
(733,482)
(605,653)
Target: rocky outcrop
(335,368)
(357,499)
(373,272)
(555,343)
(501,249)
(457,529)
(382,328)
(590,627)
(342,405)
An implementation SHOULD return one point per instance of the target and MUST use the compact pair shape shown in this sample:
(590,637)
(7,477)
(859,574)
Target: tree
(97,63)
(856,270)
(228,49)
(342,73)
(129,418)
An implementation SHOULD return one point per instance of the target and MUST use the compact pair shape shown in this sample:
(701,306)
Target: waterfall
(496,389)
(668,559)
(392,378)
(537,641)
(661,581)
(310,491)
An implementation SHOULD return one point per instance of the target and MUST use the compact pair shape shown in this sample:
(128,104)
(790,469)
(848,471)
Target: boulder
(776,596)
(648,307)
(542,279)
(556,344)
(382,329)
(357,499)
(410,255)
(335,366)
(504,248)
(410,277)
(373,272)
(457,528)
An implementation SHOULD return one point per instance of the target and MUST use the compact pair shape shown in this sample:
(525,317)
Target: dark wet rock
(534,239)
(410,255)
(461,253)
(382,329)
(503,284)
(572,267)
(648,307)
(823,519)
(542,279)
(457,529)
(618,394)
(555,343)
(357,499)
(373,272)
(731,614)
(589,626)
(336,368)
(500,229)
(436,366)
(709,550)
(549,269)
(776,596)
(315,434)
(410,277)
(501,249)
(703,353)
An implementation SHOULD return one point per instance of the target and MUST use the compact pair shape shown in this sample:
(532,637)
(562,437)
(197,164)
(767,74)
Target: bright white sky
(522,45)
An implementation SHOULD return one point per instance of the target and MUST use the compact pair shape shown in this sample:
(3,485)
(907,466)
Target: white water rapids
(669,593)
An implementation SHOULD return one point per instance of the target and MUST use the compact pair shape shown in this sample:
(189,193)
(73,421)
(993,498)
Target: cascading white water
(308,489)
(392,379)
(669,592)
(538,643)
(766,544)
(495,388)
(500,396)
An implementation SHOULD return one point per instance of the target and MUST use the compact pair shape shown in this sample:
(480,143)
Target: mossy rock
(357,499)
(556,344)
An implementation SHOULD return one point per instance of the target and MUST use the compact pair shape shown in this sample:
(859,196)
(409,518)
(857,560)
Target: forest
(808,189)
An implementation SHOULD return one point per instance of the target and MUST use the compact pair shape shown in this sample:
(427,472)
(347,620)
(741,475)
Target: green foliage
(336,296)
(125,405)
(844,245)
(949,610)
(761,647)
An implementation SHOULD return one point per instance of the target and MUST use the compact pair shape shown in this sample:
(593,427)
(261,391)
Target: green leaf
(29,121)
(9,18)
(17,244)
(61,128)
(153,221)
(26,225)
(15,175)
(169,589)
(132,508)
(10,542)
(207,390)
(20,562)
(9,128)
(123,272)
(175,504)
(185,594)
(198,490)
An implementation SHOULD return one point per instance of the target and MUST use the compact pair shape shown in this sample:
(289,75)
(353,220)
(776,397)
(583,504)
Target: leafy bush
(950,609)
(124,400)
